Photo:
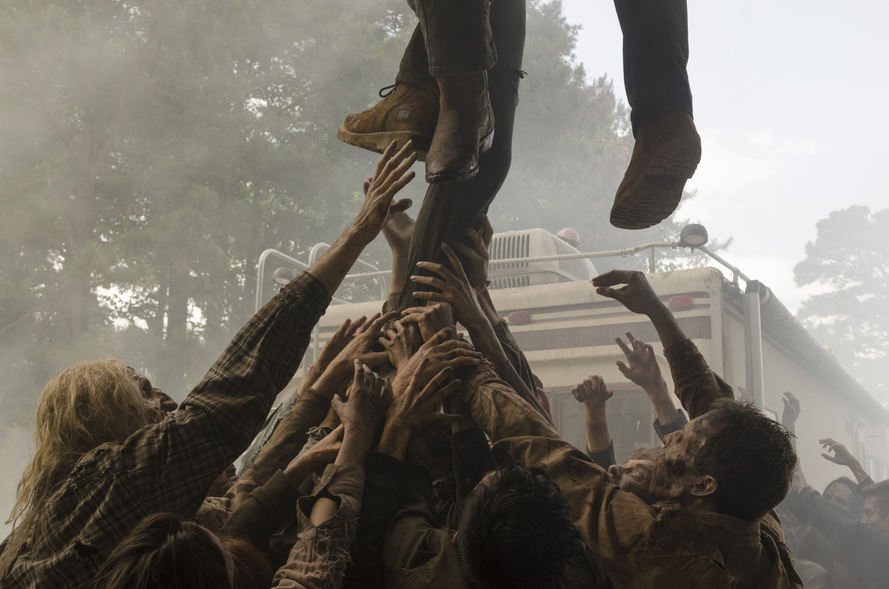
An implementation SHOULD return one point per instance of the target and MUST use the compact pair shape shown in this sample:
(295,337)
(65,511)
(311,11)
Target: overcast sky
(791,104)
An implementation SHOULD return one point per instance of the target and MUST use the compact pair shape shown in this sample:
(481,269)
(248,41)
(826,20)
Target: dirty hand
(368,398)
(637,295)
(454,286)
(443,350)
(416,409)
(338,341)
(390,176)
(431,319)
(592,391)
(399,342)
(643,369)
(840,454)
(791,409)
(476,253)
(360,347)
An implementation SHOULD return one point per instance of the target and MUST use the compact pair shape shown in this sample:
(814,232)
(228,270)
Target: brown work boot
(465,128)
(408,112)
(667,152)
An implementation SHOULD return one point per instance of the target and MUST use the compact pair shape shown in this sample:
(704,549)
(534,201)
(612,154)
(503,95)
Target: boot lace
(387,90)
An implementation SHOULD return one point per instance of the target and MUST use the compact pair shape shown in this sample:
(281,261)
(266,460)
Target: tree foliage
(850,258)
(150,150)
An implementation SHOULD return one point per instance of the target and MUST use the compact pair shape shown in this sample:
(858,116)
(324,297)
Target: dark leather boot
(465,128)
(666,154)
(408,112)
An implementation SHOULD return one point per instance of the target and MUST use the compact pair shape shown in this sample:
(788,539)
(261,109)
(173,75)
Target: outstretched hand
(416,408)
(443,350)
(390,176)
(431,319)
(454,286)
(637,295)
(368,398)
(338,341)
(400,341)
(643,369)
(791,410)
(360,346)
(840,456)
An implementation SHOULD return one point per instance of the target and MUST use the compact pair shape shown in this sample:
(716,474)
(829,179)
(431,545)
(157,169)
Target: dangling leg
(668,147)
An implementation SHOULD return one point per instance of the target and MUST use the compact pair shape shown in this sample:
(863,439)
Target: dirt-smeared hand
(368,399)
(390,176)
(416,408)
(400,342)
(637,295)
(431,319)
(592,391)
(454,286)
(643,368)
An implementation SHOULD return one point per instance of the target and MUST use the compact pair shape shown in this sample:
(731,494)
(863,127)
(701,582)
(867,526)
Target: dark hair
(165,552)
(515,531)
(643,453)
(881,491)
(252,569)
(751,457)
(856,501)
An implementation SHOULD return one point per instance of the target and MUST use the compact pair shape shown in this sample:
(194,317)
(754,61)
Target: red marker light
(679,302)
(519,318)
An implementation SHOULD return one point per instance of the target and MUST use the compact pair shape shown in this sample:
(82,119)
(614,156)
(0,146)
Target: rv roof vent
(529,244)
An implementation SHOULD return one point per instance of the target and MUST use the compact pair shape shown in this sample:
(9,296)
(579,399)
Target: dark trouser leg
(457,34)
(448,209)
(655,56)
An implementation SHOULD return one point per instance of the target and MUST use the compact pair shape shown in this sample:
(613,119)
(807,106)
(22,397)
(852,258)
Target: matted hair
(165,552)
(85,406)
(881,492)
(750,456)
(515,531)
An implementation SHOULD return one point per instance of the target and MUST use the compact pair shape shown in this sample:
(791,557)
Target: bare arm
(593,394)
(644,371)
(842,456)
(391,175)
(695,384)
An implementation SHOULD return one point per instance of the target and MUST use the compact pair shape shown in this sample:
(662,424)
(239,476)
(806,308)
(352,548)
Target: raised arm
(223,413)
(843,457)
(643,370)
(593,394)
(694,383)
(328,517)
(457,291)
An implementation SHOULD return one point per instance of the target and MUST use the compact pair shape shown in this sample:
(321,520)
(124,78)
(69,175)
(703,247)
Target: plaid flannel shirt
(169,467)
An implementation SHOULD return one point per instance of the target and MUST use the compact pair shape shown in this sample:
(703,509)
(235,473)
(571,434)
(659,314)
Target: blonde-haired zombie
(107,457)
(85,406)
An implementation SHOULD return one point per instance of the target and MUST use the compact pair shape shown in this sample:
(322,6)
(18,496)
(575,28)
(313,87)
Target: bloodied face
(634,476)
(159,403)
(674,475)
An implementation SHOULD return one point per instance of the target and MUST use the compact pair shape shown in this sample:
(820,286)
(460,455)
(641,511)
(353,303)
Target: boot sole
(484,145)
(378,142)
(658,191)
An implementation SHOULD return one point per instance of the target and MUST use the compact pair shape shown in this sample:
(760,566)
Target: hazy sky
(790,102)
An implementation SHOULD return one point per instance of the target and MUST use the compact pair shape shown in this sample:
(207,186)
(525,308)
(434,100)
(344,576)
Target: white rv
(748,337)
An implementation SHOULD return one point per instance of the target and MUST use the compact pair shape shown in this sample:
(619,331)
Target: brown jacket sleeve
(618,527)
(694,383)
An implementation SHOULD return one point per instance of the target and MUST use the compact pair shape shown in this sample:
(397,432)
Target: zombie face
(634,476)
(159,403)
(874,516)
(841,495)
(674,475)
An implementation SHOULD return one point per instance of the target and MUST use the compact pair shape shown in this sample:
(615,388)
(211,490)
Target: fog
(151,150)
